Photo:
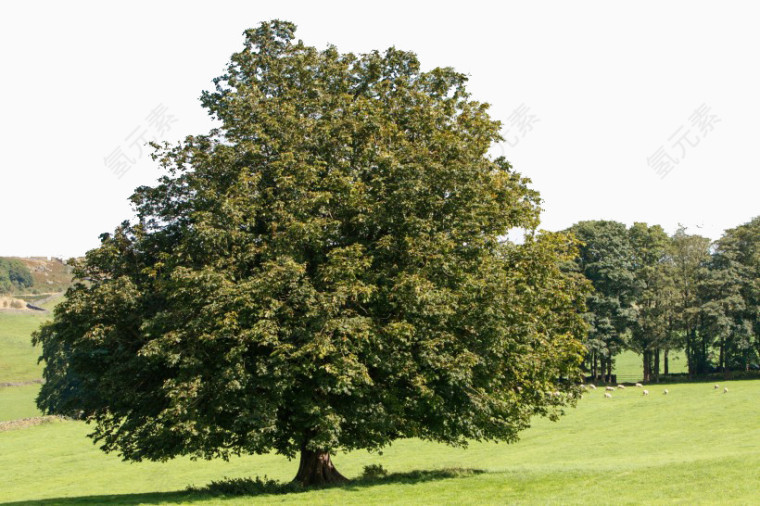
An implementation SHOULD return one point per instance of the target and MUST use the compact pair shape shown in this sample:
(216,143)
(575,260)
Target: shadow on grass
(239,487)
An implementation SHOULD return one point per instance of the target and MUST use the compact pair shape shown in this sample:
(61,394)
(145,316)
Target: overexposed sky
(596,97)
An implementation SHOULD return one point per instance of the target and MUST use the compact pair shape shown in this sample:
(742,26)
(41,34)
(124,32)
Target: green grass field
(18,359)
(629,368)
(695,445)
(18,402)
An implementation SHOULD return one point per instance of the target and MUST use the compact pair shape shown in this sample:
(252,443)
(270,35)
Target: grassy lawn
(18,359)
(18,402)
(629,368)
(695,445)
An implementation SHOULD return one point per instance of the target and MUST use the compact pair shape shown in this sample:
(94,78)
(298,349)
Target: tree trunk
(316,469)
(666,362)
(657,365)
(609,370)
(722,357)
(689,358)
(647,366)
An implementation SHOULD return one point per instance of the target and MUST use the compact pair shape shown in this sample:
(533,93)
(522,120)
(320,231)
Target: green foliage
(374,472)
(730,294)
(651,327)
(246,487)
(324,271)
(14,275)
(653,293)
(606,259)
(690,256)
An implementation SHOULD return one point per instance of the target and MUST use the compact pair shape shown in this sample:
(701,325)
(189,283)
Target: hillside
(29,284)
(49,275)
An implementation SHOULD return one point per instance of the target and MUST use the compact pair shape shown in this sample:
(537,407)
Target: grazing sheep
(639,385)
(725,390)
(608,395)
(592,386)
(556,393)
(716,386)
(665,392)
(621,387)
(610,389)
(645,392)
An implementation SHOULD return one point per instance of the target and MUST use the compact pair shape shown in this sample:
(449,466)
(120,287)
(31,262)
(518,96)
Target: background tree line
(654,294)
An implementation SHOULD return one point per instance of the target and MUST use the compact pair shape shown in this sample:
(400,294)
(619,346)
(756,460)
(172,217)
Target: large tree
(324,271)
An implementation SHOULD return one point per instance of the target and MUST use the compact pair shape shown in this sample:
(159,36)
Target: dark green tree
(730,293)
(690,256)
(324,271)
(654,293)
(606,260)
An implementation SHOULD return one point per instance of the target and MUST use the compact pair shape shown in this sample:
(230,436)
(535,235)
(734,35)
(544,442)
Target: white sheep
(716,386)
(591,386)
(621,387)
(608,395)
(665,392)
(645,392)
(639,385)
(610,389)
(725,390)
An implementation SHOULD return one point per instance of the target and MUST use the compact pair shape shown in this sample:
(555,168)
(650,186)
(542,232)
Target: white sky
(603,84)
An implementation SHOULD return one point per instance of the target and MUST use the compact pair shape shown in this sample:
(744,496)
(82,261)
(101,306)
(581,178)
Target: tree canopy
(324,271)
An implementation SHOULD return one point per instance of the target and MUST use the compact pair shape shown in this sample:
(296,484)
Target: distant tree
(654,294)
(324,271)
(14,275)
(730,295)
(690,256)
(606,260)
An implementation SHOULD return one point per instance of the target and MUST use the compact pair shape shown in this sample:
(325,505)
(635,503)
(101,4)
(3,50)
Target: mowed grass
(18,402)
(629,368)
(18,358)
(695,445)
